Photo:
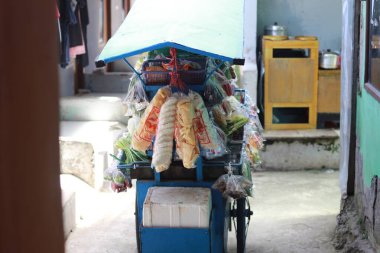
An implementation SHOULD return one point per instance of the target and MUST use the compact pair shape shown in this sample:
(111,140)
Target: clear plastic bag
(236,115)
(219,116)
(213,92)
(203,126)
(237,187)
(233,186)
(221,148)
(136,99)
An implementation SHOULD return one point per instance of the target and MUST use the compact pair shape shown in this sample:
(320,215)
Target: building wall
(367,183)
(368,120)
(93,34)
(322,18)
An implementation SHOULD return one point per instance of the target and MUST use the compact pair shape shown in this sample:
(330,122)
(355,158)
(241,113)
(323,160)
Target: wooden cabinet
(291,84)
(329,91)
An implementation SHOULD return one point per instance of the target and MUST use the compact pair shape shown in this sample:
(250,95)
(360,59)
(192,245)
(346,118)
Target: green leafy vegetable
(131,155)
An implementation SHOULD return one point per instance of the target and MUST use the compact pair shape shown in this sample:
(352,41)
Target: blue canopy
(212,28)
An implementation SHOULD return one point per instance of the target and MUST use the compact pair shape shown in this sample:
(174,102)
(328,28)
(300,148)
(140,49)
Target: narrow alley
(293,212)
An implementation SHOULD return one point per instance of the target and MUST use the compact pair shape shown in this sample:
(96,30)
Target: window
(373,64)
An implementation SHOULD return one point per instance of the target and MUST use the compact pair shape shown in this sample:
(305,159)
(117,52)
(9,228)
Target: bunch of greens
(131,155)
(235,123)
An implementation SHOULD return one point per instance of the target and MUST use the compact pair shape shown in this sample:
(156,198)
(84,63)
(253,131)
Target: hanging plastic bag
(142,138)
(221,148)
(133,123)
(234,186)
(247,173)
(213,92)
(237,187)
(120,182)
(203,126)
(136,100)
(236,115)
(117,159)
(224,82)
(163,146)
(186,141)
(219,116)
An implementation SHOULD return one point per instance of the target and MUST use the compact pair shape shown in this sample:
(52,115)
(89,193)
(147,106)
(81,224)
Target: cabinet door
(291,80)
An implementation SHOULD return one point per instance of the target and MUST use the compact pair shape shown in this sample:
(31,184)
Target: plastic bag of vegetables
(236,114)
(221,148)
(136,99)
(213,91)
(119,182)
(233,186)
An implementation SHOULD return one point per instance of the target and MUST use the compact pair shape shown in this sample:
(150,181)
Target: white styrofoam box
(177,207)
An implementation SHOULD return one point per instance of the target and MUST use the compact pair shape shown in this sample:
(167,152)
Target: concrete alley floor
(293,212)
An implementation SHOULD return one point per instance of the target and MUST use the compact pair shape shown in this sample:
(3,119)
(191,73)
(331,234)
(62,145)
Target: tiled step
(111,82)
(93,107)
(301,149)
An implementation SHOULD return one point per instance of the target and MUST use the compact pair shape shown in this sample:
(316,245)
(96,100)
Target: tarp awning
(212,28)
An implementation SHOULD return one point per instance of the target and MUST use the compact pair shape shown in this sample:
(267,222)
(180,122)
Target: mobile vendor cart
(214,29)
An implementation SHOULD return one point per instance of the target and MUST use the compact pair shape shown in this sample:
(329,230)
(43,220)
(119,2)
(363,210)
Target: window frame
(371,88)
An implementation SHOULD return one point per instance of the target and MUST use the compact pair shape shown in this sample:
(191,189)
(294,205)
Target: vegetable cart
(213,29)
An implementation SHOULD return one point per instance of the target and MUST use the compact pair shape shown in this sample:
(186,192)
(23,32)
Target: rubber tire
(138,239)
(240,226)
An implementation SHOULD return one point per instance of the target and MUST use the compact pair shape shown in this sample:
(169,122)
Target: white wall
(322,18)
(249,75)
(93,34)
(66,80)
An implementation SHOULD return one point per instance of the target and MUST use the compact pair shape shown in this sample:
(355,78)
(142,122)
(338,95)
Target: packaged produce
(236,114)
(142,138)
(186,141)
(119,181)
(203,126)
(233,186)
(131,155)
(247,173)
(220,149)
(163,145)
(219,116)
(213,91)
(237,187)
(224,82)
(133,123)
(136,99)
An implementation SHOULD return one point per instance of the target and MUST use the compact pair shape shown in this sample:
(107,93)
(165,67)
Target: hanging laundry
(73,21)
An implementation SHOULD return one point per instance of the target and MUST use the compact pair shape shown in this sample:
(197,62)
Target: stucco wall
(322,18)
(93,34)
(367,183)
(368,119)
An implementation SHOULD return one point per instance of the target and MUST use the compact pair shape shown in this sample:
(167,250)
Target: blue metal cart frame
(212,239)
